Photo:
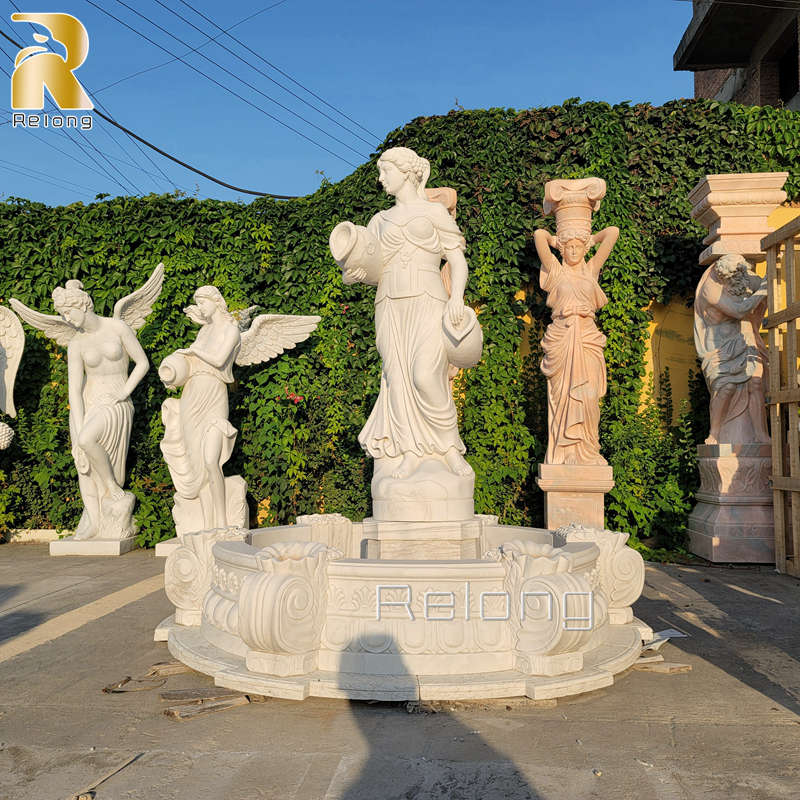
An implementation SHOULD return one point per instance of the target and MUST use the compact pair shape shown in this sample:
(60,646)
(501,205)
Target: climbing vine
(299,415)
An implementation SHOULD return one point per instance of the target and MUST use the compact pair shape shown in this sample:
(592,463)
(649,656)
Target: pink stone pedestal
(732,521)
(574,493)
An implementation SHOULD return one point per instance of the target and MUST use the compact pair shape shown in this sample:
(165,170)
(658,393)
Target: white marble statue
(729,307)
(420,330)
(198,437)
(12,343)
(99,350)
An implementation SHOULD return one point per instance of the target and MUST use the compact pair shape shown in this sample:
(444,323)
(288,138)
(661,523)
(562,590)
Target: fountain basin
(293,611)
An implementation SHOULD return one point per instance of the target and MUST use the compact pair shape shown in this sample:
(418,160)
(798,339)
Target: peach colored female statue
(412,432)
(729,307)
(573,345)
(99,351)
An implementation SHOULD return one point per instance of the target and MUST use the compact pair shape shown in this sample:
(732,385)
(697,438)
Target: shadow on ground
(459,763)
(13,623)
(750,634)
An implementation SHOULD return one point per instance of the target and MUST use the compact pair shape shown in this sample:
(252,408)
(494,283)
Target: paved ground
(728,729)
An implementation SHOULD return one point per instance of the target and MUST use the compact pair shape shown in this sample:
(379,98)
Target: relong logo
(36,67)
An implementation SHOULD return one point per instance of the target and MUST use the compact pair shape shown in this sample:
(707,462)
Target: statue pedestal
(432,493)
(733,519)
(574,493)
(92,547)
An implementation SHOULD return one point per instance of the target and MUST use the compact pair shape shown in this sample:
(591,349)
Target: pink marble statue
(573,345)
(729,306)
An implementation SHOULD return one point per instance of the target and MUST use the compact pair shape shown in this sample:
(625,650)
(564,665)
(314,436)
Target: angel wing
(52,326)
(271,334)
(12,343)
(242,316)
(135,308)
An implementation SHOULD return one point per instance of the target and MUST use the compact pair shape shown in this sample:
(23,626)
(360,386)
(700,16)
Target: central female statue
(419,328)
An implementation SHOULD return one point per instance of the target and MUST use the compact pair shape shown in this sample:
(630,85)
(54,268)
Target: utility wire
(193,50)
(51,180)
(261,72)
(127,185)
(129,132)
(241,80)
(285,74)
(137,145)
(222,86)
(164,176)
(107,174)
(105,131)
(125,188)
(71,155)
(26,170)
(194,169)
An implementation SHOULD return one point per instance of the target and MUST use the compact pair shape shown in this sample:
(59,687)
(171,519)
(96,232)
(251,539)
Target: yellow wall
(671,342)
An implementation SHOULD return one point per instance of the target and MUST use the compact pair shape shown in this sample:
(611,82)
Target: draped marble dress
(202,406)
(573,364)
(414,412)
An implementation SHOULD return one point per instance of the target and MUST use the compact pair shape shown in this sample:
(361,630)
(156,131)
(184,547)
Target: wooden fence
(783,397)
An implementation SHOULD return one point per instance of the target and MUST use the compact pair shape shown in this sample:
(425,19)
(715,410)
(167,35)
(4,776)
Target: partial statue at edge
(422,327)
(573,361)
(99,350)
(729,307)
(198,438)
(12,343)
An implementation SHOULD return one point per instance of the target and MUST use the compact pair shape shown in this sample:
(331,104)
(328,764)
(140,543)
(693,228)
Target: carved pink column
(735,209)
(733,518)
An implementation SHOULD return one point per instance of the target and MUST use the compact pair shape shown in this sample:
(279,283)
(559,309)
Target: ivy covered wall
(299,415)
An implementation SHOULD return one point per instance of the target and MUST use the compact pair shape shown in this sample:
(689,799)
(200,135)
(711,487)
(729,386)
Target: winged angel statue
(198,437)
(100,408)
(12,343)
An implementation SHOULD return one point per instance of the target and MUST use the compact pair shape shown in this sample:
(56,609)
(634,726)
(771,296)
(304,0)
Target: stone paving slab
(728,729)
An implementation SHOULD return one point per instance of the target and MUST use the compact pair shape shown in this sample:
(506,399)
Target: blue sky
(381,63)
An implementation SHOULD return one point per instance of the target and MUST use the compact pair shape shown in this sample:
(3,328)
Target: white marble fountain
(425,599)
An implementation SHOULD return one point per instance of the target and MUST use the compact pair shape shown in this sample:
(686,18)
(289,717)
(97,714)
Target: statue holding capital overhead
(573,362)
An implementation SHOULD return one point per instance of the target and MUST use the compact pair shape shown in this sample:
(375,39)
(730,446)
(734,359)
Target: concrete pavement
(728,729)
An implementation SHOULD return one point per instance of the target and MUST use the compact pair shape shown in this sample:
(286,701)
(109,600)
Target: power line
(27,170)
(52,180)
(285,74)
(261,72)
(241,80)
(129,132)
(222,86)
(192,50)
(145,154)
(125,188)
(65,152)
(107,174)
(194,169)
(77,143)
(134,164)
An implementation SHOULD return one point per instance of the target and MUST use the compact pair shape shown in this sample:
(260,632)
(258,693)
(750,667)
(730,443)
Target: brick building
(743,50)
